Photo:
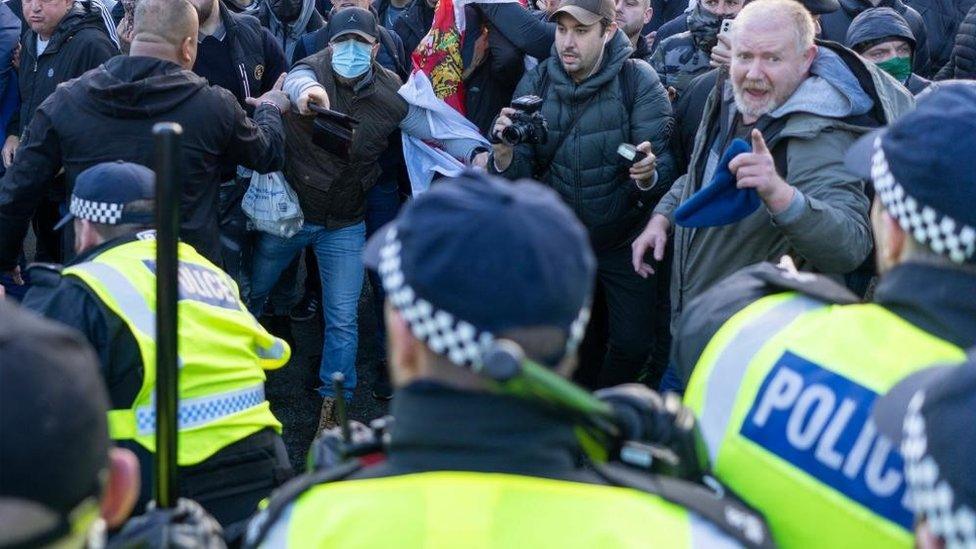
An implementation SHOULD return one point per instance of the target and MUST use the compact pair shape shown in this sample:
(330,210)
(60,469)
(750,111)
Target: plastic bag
(272,205)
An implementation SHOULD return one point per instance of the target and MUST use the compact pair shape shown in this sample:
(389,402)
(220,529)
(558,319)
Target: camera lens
(513,134)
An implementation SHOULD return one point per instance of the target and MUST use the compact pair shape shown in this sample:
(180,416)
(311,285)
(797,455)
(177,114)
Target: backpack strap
(717,504)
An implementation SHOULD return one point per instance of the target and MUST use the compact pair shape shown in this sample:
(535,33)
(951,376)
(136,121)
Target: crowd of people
(689,273)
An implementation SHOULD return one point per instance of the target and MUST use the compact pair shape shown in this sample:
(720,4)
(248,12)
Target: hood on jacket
(290,33)
(877,25)
(855,7)
(615,53)
(90,14)
(832,90)
(140,87)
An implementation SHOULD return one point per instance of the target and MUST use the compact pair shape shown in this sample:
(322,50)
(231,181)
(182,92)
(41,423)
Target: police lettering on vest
(820,422)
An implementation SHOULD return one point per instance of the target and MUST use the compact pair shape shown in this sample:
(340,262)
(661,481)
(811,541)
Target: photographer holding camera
(590,99)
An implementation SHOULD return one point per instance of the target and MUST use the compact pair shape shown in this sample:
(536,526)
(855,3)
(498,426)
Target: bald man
(108,115)
(800,105)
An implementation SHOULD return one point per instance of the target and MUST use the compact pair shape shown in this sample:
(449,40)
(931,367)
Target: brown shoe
(327,418)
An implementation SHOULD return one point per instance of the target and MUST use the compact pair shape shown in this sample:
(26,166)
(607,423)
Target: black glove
(662,428)
(330,448)
(186,526)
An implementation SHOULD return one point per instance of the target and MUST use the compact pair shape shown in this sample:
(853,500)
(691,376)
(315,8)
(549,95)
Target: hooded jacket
(884,23)
(826,228)
(288,34)
(834,26)
(962,62)
(591,120)
(80,43)
(108,114)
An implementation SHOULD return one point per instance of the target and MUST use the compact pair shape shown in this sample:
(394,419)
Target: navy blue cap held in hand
(102,191)
(720,202)
(478,255)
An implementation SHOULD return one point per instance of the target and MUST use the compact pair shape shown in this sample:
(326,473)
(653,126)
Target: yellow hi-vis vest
(223,351)
(485,510)
(783,393)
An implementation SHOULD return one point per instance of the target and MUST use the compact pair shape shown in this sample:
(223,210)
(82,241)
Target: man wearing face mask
(682,57)
(289,20)
(835,25)
(883,37)
(595,98)
(332,188)
(108,114)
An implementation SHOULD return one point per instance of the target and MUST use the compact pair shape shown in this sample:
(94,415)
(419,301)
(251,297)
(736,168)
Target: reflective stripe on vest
(784,392)
(222,349)
(486,511)
(733,361)
(194,412)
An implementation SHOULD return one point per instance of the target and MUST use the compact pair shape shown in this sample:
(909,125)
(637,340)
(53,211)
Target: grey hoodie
(826,227)
(288,34)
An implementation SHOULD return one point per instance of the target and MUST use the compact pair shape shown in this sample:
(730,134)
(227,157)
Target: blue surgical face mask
(351,58)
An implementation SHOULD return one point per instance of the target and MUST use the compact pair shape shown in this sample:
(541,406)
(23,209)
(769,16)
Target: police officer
(784,366)
(230,452)
(473,261)
(929,416)
(61,483)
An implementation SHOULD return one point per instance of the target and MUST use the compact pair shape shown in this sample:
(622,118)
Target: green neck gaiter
(899,67)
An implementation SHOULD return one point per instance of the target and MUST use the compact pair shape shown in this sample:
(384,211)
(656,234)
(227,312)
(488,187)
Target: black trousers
(230,483)
(621,335)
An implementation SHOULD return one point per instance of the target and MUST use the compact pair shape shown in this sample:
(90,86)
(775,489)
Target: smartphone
(726,26)
(630,152)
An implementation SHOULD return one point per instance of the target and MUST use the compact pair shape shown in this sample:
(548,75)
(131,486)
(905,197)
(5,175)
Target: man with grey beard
(800,105)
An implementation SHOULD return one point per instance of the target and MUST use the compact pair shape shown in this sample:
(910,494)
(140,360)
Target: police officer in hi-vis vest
(230,450)
(783,367)
(473,261)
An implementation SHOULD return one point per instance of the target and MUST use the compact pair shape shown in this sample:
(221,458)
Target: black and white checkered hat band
(106,213)
(443,333)
(930,495)
(943,234)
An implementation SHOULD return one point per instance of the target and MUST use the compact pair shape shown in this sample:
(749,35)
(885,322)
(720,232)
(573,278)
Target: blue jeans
(382,205)
(339,254)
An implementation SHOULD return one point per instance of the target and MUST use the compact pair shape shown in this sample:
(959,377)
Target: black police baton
(169,180)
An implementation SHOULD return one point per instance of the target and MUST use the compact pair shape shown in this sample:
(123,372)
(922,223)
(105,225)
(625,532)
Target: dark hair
(604,24)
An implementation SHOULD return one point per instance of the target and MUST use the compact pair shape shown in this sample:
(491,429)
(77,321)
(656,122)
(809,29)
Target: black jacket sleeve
(651,120)
(38,160)
(522,28)
(258,143)
(275,62)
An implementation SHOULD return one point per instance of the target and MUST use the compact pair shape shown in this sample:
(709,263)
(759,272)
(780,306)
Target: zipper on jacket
(577,186)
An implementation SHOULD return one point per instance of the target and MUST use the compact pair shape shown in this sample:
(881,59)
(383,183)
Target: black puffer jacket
(586,169)
(941,21)
(835,25)
(413,24)
(962,63)
(79,44)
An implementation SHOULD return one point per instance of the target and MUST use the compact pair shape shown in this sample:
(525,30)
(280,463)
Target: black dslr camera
(528,124)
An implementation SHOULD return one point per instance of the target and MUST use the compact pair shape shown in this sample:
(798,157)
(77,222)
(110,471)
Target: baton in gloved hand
(169,173)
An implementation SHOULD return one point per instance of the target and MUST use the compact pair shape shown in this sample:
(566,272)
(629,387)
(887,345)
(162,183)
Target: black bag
(333,131)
